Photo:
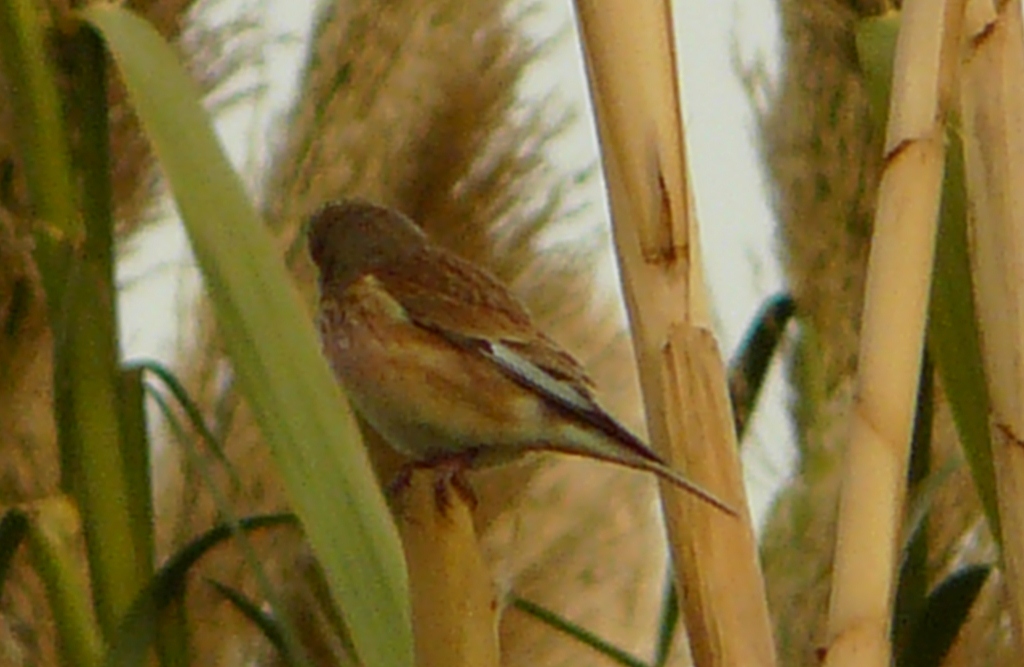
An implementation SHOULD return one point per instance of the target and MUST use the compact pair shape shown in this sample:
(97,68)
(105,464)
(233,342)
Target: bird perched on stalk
(444,363)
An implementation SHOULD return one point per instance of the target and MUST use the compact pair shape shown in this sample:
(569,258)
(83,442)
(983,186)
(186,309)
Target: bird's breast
(425,395)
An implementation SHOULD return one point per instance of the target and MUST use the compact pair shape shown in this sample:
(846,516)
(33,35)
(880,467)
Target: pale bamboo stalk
(992,98)
(454,607)
(892,334)
(630,57)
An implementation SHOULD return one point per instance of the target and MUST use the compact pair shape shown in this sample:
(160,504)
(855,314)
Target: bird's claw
(449,475)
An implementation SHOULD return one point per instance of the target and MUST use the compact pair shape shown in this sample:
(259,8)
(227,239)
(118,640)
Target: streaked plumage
(441,359)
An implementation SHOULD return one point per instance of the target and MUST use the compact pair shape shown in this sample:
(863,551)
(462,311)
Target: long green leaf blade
(550,618)
(264,622)
(943,615)
(109,488)
(166,588)
(273,347)
(54,536)
(954,338)
(36,107)
(749,366)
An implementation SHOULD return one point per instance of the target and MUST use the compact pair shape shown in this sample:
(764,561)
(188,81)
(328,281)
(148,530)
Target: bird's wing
(474,311)
(469,307)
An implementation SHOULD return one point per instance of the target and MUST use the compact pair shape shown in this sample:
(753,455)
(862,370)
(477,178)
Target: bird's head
(349,237)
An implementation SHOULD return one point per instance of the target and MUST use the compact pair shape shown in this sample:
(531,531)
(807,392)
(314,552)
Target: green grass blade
(954,339)
(553,620)
(41,139)
(912,583)
(167,587)
(876,50)
(87,378)
(273,347)
(287,634)
(135,449)
(77,274)
(192,411)
(944,613)
(87,394)
(669,622)
(749,366)
(39,122)
(54,534)
(264,622)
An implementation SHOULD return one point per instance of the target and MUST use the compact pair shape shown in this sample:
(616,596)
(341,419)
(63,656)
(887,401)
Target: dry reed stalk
(892,333)
(630,57)
(454,608)
(992,107)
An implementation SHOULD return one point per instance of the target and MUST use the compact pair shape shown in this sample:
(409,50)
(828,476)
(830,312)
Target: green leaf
(266,624)
(935,629)
(273,347)
(39,120)
(749,365)
(138,629)
(875,37)
(954,339)
(87,384)
(41,139)
(255,563)
(553,620)
(192,411)
(54,539)
(63,143)
(912,583)
(669,622)
(135,454)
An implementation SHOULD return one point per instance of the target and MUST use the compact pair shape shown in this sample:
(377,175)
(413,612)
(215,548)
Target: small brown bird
(444,362)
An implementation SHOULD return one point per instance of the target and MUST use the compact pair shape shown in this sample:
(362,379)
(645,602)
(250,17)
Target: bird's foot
(449,476)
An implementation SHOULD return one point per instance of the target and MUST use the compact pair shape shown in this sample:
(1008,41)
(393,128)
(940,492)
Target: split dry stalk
(454,609)
(992,98)
(630,57)
(892,333)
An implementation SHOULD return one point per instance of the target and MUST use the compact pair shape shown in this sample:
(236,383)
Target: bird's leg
(449,473)
(399,484)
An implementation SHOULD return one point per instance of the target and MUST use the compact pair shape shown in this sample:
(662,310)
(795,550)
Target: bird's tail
(597,435)
(663,471)
(644,459)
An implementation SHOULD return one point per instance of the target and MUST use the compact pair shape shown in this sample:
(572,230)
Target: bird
(439,357)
